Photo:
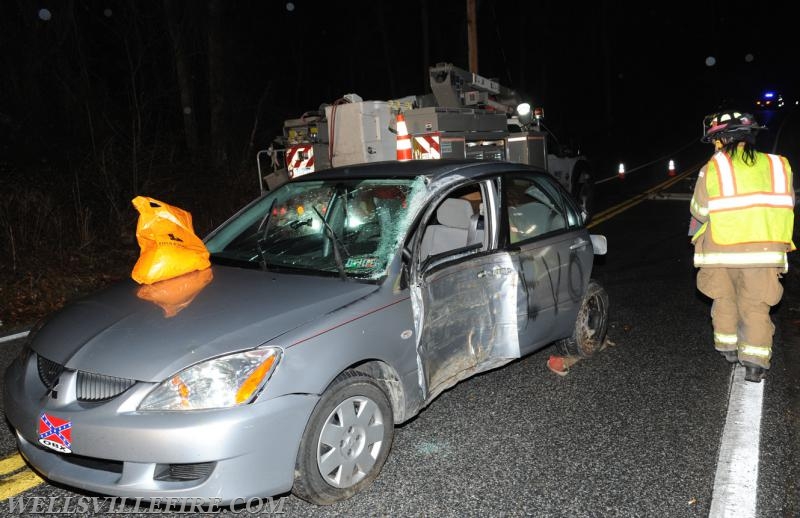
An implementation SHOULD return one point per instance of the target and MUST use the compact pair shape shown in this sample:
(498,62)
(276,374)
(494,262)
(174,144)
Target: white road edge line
(736,480)
(13,337)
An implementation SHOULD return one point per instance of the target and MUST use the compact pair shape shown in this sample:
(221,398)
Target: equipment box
(527,148)
(359,132)
(305,129)
(466,122)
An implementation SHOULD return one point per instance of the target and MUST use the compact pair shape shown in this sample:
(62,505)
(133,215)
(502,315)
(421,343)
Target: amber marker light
(254,380)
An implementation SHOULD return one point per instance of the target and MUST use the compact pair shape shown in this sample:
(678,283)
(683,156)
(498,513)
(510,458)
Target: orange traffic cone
(671,168)
(403,140)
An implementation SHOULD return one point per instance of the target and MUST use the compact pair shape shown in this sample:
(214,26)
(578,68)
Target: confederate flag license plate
(55,433)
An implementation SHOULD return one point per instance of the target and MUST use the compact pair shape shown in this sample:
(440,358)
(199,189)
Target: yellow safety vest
(751,205)
(754,205)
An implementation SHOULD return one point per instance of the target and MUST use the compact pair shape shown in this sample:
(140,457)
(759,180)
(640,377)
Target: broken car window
(369,218)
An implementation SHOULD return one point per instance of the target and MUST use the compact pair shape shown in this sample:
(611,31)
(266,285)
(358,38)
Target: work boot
(754,373)
(731,356)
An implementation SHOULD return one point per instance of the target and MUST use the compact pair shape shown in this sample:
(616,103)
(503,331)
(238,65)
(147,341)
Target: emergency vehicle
(465,116)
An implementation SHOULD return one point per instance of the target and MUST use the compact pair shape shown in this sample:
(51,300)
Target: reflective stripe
(698,209)
(740,258)
(725,169)
(779,183)
(760,351)
(751,200)
(727,339)
(754,207)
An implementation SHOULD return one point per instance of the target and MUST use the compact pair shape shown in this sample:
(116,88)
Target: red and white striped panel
(300,160)
(427,147)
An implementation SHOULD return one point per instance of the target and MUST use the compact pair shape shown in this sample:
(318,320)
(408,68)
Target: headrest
(454,212)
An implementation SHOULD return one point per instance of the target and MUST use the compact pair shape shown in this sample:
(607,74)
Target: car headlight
(227,381)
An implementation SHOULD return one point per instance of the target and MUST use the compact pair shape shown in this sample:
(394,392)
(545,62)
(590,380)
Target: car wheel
(346,441)
(590,325)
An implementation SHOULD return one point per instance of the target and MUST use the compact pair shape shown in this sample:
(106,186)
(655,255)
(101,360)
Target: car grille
(90,387)
(49,371)
(97,387)
(111,466)
(183,472)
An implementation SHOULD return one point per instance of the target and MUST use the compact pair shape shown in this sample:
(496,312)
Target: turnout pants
(740,312)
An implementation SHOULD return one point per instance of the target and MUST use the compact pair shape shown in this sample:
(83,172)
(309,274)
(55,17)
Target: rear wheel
(590,325)
(585,197)
(583,191)
(346,441)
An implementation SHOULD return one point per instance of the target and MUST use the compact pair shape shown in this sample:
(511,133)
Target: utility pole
(426,44)
(472,36)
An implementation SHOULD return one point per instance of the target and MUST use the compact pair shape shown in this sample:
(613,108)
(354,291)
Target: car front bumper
(214,455)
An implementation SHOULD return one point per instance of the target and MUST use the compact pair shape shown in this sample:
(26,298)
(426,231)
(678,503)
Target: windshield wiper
(337,252)
(265,224)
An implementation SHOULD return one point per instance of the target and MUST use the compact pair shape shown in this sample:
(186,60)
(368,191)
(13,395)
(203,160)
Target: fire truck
(465,116)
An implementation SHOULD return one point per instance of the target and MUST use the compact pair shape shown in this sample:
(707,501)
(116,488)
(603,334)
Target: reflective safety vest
(752,205)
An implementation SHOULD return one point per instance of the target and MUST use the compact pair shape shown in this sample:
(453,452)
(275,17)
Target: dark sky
(92,111)
(600,69)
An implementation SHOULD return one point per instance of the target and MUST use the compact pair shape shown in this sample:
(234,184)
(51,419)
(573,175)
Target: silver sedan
(337,307)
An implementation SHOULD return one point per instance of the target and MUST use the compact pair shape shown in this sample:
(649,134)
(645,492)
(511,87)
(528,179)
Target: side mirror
(599,244)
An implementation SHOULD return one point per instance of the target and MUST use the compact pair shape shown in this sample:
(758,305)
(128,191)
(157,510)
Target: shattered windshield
(350,228)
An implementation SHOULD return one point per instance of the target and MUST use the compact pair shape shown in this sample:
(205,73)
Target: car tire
(354,414)
(582,188)
(585,197)
(591,324)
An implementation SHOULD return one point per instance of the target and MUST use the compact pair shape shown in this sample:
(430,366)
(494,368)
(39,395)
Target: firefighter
(745,202)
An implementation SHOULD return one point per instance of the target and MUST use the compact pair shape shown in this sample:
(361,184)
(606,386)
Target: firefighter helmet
(730,124)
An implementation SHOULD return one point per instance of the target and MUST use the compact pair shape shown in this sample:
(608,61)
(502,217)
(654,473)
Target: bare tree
(216,84)
(176,22)
(387,46)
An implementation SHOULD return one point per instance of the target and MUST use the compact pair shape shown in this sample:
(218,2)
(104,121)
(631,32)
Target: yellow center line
(636,200)
(10,464)
(17,482)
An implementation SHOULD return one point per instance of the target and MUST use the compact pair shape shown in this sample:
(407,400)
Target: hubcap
(350,441)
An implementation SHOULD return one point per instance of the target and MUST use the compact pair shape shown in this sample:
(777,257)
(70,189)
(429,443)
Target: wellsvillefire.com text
(115,505)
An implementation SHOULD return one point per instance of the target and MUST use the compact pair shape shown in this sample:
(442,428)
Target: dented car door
(468,308)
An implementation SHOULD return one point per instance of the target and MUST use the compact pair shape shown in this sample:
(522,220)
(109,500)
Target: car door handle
(578,244)
(495,272)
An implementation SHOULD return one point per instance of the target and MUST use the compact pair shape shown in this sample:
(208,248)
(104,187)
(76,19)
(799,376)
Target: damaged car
(337,307)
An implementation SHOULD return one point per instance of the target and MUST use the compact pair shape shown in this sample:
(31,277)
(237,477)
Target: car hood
(119,333)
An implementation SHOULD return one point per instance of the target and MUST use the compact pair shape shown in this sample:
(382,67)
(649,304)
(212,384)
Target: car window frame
(489,196)
(566,205)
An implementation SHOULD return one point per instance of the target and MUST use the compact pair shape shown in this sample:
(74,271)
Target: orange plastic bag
(169,246)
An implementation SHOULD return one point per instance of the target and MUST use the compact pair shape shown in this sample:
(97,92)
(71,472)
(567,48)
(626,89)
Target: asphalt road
(634,431)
